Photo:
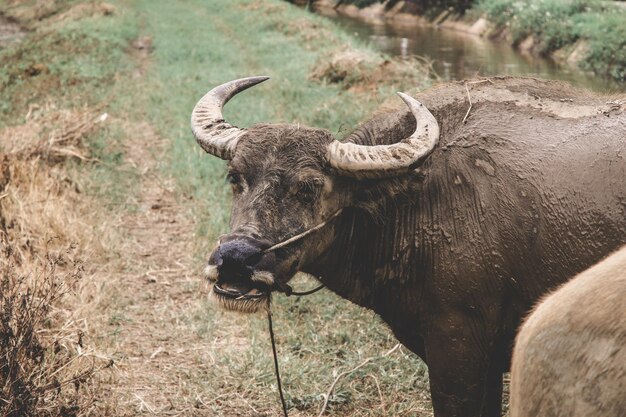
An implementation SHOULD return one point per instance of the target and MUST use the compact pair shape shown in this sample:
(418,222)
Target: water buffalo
(570,355)
(447,224)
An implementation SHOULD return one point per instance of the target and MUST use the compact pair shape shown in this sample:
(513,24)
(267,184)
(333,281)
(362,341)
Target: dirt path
(161,359)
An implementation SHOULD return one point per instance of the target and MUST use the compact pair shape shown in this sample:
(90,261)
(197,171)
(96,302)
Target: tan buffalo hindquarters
(570,355)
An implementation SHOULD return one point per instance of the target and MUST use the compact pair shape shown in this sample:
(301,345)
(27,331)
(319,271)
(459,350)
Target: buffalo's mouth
(251,294)
(244,275)
(243,297)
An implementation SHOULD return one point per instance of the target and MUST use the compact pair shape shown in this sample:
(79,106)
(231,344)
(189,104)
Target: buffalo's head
(289,184)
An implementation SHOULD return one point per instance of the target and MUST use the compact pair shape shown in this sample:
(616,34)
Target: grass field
(141,205)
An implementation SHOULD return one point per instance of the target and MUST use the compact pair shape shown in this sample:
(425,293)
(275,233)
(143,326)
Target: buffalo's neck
(374,263)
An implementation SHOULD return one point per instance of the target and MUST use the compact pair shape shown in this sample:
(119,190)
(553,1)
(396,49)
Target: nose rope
(285,287)
(303,234)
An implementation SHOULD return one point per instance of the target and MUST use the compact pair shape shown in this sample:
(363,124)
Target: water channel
(457,55)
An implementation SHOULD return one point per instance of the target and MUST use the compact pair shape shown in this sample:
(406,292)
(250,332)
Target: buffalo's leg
(461,381)
(456,395)
(492,406)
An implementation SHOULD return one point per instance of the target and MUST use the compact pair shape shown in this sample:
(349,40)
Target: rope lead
(271,328)
(290,292)
(280,388)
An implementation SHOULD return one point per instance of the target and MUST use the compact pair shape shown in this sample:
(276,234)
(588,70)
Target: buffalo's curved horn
(213,134)
(379,161)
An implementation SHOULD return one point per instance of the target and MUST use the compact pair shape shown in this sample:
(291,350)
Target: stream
(457,55)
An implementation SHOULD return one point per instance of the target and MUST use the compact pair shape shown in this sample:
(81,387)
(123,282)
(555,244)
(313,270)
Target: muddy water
(458,55)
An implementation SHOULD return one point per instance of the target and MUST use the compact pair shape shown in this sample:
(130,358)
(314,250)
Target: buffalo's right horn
(380,161)
(213,134)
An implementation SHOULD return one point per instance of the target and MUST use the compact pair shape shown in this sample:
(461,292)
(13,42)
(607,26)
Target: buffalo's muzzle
(236,259)
(240,260)
(241,273)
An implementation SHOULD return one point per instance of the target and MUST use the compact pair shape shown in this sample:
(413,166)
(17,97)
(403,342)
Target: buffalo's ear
(384,161)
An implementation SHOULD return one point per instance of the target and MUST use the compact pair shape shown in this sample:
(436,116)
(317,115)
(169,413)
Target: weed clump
(45,360)
(357,69)
(39,199)
(29,14)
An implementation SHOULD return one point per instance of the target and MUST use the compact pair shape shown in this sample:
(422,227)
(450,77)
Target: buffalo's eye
(307,191)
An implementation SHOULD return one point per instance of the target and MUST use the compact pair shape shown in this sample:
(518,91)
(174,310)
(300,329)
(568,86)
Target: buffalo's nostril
(254,259)
(236,258)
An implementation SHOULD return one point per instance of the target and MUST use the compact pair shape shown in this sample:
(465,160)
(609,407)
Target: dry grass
(82,10)
(28,12)
(46,228)
(47,359)
(39,200)
(361,70)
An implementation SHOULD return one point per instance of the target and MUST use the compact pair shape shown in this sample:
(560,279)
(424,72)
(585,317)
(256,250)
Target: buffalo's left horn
(213,134)
(380,161)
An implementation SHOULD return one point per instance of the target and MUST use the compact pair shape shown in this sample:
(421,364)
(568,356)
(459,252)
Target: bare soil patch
(161,360)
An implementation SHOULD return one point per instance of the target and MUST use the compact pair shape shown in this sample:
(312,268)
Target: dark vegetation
(45,362)
(556,24)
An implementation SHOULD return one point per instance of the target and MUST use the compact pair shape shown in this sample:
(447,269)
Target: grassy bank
(556,24)
(144,64)
(61,183)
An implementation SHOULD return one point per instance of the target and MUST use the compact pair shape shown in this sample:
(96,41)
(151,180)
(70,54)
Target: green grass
(558,23)
(75,64)
(318,337)
(230,41)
